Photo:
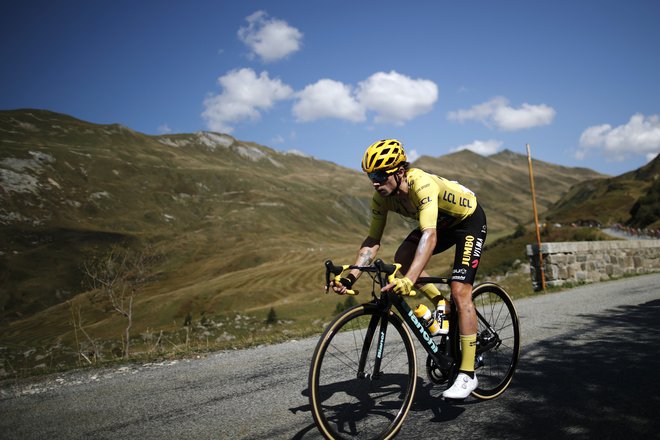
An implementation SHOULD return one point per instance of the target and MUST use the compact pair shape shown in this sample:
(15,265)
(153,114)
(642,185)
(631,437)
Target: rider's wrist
(348,280)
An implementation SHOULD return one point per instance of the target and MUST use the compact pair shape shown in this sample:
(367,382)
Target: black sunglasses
(379,176)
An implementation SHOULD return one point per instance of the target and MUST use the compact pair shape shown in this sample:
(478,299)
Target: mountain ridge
(612,200)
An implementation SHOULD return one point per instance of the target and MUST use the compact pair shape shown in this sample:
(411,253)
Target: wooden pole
(536,217)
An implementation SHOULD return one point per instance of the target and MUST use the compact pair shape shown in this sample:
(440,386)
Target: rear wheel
(353,402)
(498,340)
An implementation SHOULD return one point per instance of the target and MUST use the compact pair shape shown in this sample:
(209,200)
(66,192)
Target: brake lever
(330,268)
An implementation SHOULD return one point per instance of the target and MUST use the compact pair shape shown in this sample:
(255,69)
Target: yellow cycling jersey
(434,201)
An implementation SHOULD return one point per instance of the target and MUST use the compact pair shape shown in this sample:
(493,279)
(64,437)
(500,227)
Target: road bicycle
(363,374)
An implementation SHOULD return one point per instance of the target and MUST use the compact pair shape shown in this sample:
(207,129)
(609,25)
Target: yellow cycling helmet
(385,155)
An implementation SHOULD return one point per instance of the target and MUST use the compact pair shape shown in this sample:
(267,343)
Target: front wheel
(498,340)
(349,398)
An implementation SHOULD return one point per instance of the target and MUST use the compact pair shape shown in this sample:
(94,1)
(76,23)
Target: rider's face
(385,187)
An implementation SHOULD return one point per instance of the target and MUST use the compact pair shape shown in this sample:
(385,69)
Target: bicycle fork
(371,330)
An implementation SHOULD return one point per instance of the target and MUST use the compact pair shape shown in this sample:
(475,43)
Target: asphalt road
(589,368)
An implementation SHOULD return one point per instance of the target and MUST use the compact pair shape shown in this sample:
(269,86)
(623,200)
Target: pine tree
(272,316)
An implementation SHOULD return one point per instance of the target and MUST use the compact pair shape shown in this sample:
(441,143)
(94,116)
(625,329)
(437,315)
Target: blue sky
(578,80)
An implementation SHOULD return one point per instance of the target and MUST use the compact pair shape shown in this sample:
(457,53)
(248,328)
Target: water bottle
(426,318)
(442,316)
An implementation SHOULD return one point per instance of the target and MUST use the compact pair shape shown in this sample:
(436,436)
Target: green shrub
(347,304)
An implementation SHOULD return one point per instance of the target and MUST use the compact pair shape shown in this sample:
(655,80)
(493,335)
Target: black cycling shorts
(469,237)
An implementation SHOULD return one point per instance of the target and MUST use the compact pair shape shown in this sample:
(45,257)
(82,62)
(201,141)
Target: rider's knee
(461,293)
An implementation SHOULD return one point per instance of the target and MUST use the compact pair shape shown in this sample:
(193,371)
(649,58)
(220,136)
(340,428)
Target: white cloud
(164,129)
(244,95)
(392,97)
(412,155)
(640,136)
(270,39)
(328,99)
(396,98)
(527,116)
(499,113)
(485,148)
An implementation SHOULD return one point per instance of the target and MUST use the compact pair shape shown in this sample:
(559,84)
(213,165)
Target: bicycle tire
(495,366)
(347,406)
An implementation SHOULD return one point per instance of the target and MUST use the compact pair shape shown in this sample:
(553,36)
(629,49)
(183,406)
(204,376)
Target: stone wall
(592,261)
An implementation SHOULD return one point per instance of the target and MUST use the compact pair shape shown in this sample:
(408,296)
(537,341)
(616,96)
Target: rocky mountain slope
(632,199)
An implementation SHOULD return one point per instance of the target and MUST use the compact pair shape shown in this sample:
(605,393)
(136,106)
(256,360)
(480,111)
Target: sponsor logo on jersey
(451,198)
(465,202)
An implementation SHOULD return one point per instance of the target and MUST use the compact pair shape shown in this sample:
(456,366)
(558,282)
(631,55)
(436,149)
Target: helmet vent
(384,155)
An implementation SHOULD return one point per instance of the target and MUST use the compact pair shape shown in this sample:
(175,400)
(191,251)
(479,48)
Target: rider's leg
(467,324)
(470,238)
(466,381)
(405,255)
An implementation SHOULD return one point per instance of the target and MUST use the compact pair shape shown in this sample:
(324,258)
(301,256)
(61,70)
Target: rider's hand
(338,288)
(343,285)
(402,286)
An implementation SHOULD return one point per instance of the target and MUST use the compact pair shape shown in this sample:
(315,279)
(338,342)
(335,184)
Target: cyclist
(448,214)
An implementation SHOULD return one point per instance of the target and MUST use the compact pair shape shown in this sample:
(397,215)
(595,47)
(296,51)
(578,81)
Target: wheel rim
(495,367)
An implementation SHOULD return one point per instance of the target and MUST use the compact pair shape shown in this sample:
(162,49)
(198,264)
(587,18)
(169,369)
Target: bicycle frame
(384,304)
(445,359)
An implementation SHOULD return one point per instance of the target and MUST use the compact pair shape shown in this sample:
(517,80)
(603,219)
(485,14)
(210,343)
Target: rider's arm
(365,257)
(423,253)
(422,256)
(426,198)
(426,195)
(366,254)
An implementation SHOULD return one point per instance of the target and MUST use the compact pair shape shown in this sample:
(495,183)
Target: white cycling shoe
(462,387)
